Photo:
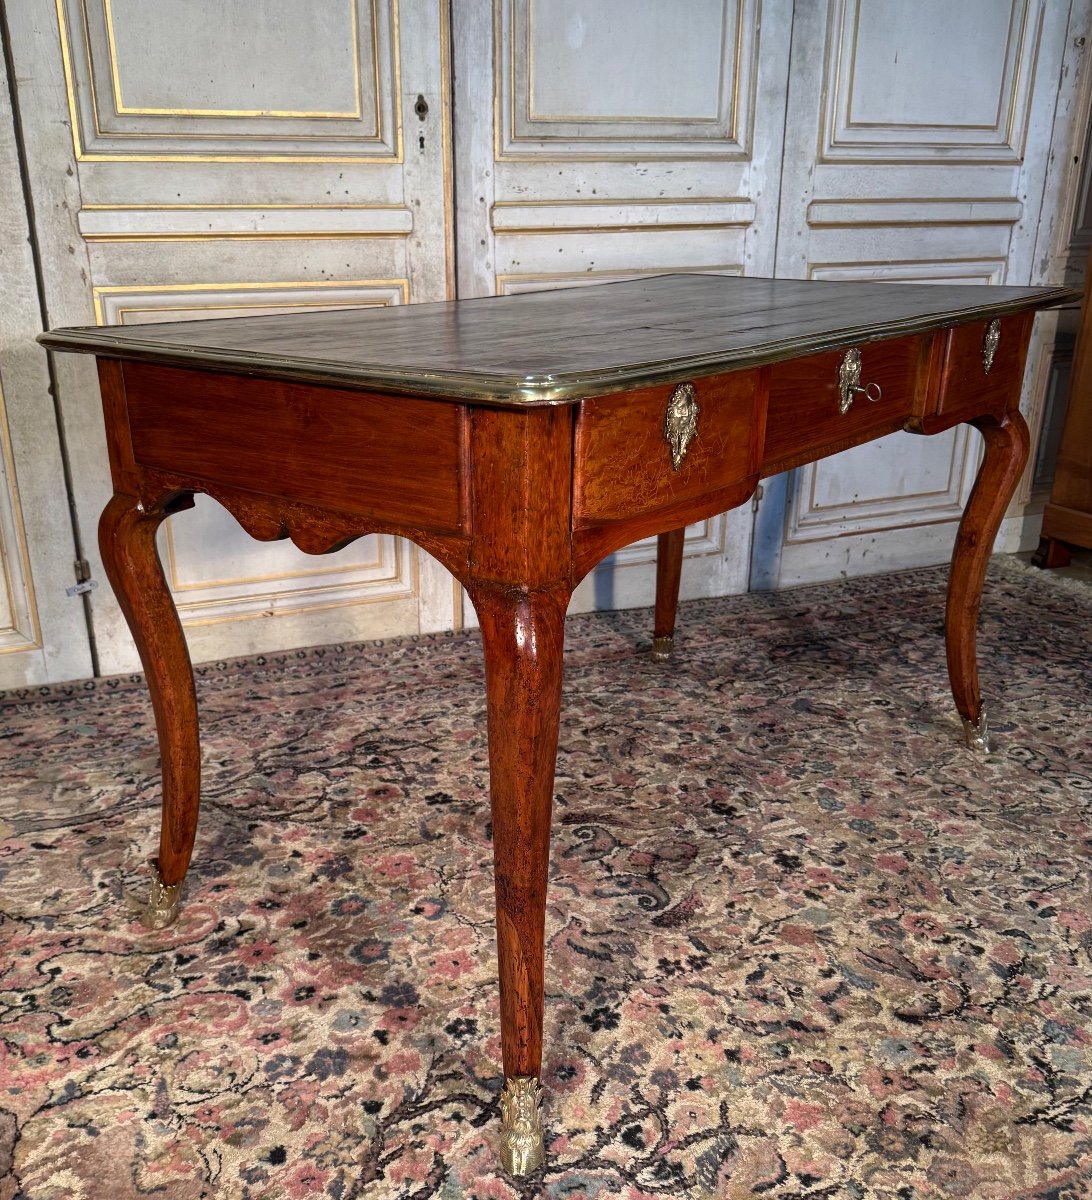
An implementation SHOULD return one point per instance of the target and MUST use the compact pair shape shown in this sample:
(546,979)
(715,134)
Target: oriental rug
(801,943)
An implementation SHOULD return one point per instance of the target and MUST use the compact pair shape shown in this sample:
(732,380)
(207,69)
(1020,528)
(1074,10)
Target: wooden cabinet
(1067,519)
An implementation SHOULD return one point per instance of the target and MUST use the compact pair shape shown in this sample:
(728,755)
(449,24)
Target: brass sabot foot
(977,734)
(160,907)
(522,1149)
(662,648)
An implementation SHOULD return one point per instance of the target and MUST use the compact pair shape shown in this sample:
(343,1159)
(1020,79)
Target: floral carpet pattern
(801,943)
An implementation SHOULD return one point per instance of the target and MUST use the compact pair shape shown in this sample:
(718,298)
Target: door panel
(915,150)
(226,158)
(43,632)
(215,157)
(622,139)
(601,141)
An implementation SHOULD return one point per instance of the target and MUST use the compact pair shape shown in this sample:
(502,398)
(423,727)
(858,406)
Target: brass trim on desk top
(667,308)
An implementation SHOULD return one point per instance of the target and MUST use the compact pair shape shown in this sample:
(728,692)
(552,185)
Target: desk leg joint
(669,556)
(522,636)
(1006,454)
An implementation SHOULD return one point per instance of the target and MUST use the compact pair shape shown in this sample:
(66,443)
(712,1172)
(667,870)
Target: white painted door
(598,141)
(1062,246)
(220,157)
(224,156)
(43,632)
(917,145)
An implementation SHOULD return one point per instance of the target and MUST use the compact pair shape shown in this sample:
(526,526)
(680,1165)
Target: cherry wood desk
(520,440)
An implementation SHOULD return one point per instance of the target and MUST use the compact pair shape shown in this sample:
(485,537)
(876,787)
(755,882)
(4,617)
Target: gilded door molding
(145,82)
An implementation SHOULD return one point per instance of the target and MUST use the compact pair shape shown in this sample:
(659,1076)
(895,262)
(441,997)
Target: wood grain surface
(1007,443)
(519,582)
(560,346)
(623,461)
(804,415)
(965,384)
(353,452)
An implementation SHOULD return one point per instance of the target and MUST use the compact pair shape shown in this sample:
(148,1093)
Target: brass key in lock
(849,382)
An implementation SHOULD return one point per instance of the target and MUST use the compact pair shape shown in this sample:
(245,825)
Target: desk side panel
(393,459)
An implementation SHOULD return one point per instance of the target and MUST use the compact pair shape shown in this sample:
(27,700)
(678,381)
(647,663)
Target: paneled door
(43,631)
(917,145)
(225,157)
(599,141)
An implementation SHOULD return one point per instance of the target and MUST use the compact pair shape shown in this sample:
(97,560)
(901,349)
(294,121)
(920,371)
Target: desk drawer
(965,383)
(623,461)
(804,411)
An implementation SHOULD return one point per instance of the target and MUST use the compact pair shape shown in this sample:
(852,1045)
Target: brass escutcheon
(681,422)
(990,343)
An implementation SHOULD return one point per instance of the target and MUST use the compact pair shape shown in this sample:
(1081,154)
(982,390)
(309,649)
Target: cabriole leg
(127,532)
(1006,453)
(669,556)
(522,636)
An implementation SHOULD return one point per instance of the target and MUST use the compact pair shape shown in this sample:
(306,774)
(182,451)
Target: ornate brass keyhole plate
(849,378)
(681,422)
(990,343)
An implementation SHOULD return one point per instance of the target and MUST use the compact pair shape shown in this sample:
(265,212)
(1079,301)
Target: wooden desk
(520,440)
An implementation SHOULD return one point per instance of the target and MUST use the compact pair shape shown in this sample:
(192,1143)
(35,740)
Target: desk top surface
(556,347)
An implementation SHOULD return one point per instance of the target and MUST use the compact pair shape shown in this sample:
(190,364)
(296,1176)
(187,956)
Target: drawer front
(395,459)
(624,461)
(805,399)
(965,383)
